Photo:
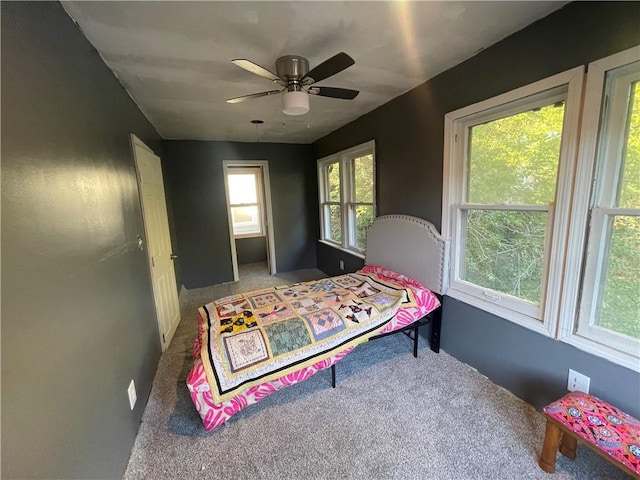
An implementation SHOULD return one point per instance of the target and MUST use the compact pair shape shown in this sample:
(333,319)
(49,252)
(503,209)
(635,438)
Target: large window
(347,197)
(245,201)
(507,171)
(538,238)
(606,297)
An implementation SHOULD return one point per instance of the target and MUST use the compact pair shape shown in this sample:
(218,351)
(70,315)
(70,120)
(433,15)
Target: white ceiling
(174,57)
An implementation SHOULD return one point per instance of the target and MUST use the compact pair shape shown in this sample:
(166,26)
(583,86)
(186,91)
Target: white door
(156,225)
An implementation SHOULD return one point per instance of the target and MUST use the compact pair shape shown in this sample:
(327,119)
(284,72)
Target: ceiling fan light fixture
(295,103)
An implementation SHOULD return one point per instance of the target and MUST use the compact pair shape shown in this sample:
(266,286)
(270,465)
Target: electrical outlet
(131,391)
(578,382)
(341,265)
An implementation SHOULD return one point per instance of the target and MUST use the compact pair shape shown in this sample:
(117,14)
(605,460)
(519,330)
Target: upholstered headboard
(411,246)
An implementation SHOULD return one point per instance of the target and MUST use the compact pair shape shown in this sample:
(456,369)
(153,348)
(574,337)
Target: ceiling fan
(297,81)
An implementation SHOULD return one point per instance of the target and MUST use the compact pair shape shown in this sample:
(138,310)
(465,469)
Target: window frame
(346,160)
(574,312)
(457,124)
(257,174)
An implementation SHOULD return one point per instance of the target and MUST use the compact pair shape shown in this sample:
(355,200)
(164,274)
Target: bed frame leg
(415,342)
(333,376)
(436,325)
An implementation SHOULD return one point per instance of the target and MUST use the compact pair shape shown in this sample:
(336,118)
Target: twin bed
(253,344)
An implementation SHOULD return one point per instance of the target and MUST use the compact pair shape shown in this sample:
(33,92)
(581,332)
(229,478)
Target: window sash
(598,251)
(526,311)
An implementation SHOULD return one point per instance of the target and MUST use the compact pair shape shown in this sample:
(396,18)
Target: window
(536,237)
(245,201)
(605,299)
(505,204)
(347,197)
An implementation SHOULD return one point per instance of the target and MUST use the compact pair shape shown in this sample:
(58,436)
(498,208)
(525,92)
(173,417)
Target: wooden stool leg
(568,445)
(552,436)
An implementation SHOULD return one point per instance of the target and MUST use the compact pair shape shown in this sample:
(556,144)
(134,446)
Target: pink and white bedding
(216,405)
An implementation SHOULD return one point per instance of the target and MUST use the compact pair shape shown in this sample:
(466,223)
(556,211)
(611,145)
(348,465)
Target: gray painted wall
(78,320)
(196,186)
(409,134)
(251,250)
(329,258)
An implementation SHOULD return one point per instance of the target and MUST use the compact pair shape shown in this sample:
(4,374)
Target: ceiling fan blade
(334,65)
(257,69)
(344,93)
(253,95)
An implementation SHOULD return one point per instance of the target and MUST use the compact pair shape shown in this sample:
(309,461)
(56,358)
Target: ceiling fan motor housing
(292,68)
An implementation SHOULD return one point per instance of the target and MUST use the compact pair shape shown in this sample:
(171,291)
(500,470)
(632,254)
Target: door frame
(266,189)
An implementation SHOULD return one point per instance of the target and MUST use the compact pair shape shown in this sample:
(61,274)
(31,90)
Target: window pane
(504,251)
(630,182)
(363,179)
(242,188)
(620,305)
(514,160)
(334,215)
(364,219)
(246,220)
(333,181)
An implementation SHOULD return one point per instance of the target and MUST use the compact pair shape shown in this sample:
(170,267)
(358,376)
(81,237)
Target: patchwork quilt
(251,338)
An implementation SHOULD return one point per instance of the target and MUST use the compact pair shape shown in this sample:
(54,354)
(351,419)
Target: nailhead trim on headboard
(404,242)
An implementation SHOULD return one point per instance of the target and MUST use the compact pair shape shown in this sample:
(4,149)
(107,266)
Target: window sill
(501,311)
(355,253)
(594,348)
(581,343)
(248,235)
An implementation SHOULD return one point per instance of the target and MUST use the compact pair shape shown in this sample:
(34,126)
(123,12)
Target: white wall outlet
(132,394)
(578,382)
(341,265)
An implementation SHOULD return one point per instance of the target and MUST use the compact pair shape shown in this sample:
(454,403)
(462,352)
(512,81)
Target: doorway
(250,218)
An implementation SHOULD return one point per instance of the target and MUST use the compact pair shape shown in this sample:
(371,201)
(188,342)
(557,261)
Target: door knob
(173,256)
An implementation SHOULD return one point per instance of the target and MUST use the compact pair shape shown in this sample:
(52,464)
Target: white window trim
(568,330)
(544,321)
(344,158)
(257,173)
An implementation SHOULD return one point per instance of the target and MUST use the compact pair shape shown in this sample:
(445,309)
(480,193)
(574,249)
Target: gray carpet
(391,417)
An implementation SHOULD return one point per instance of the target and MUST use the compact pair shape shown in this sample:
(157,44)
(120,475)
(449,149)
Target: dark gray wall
(409,134)
(330,257)
(251,250)
(196,186)
(78,320)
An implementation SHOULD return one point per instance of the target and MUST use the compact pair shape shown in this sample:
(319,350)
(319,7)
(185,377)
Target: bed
(253,344)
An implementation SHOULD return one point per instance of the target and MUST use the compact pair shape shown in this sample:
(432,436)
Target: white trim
(564,193)
(340,247)
(232,240)
(620,358)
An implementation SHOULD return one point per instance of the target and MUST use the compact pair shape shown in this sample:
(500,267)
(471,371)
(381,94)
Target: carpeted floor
(391,416)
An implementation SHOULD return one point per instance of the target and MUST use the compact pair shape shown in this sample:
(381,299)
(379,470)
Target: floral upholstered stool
(600,426)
